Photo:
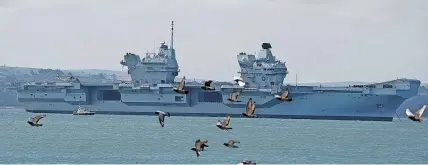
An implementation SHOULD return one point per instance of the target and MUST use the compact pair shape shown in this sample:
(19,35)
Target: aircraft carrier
(261,78)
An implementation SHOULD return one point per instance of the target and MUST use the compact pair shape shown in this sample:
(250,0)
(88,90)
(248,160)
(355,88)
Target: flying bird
(284,96)
(161,116)
(223,124)
(418,114)
(199,146)
(207,85)
(246,162)
(250,109)
(231,143)
(180,88)
(204,144)
(34,121)
(234,97)
(239,80)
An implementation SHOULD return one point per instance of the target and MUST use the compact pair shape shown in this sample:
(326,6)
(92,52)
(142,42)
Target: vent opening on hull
(213,97)
(109,95)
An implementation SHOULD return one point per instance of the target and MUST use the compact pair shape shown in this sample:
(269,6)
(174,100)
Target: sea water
(115,139)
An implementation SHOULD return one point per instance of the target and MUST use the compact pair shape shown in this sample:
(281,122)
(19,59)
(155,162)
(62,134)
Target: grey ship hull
(308,103)
(365,112)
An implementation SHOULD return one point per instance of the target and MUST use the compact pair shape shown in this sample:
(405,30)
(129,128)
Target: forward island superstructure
(151,89)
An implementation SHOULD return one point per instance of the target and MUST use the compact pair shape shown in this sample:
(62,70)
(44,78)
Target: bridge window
(387,86)
(272,83)
(162,81)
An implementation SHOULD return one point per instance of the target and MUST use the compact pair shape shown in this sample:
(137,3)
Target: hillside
(10,75)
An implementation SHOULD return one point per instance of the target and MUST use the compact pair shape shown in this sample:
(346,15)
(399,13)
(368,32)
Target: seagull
(284,96)
(180,88)
(207,85)
(250,109)
(231,143)
(234,97)
(223,125)
(199,146)
(239,81)
(161,116)
(418,114)
(34,121)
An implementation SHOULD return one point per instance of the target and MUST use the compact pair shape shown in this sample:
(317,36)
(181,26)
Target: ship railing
(48,84)
(231,87)
(266,90)
(126,85)
(154,60)
(145,86)
(165,85)
(63,84)
(251,89)
(161,70)
(338,88)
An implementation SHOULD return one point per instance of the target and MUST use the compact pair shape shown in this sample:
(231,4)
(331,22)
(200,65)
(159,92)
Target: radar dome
(266,46)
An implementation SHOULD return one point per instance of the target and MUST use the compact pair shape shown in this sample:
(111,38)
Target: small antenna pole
(296,80)
(172,35)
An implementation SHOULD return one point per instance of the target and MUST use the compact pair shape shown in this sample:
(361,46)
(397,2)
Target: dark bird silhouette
(234,97)
(223,124)
(231,143)
(284,96)
(199,146)
(204,144)
(207,85)
(181,87)
(246,162)
(161,116)
(418,114)
(250,109)
(34,121)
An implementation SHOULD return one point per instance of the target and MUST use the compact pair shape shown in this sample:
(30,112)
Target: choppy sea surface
(114,139)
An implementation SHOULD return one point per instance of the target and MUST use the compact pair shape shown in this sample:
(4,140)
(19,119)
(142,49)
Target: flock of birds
(223,125)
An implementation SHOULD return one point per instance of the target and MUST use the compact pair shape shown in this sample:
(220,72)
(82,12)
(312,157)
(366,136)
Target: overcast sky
(320,41)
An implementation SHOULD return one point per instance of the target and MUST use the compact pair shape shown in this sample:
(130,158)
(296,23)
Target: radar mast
(172,35)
